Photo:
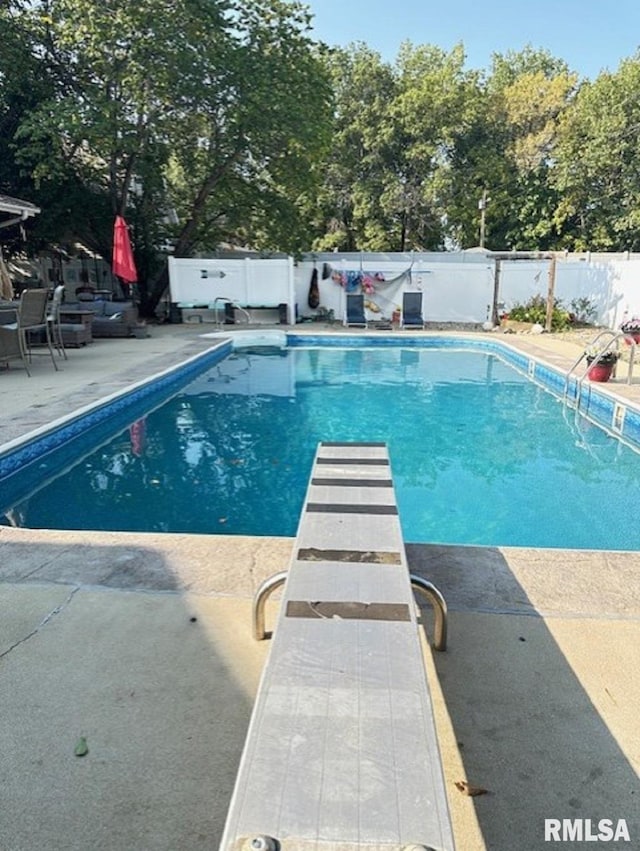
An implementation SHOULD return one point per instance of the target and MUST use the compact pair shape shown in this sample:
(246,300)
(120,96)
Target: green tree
(24,82)
(596,173)
(439,111)
(345,211)
(392,131)
(212,118)
(252,136)
(416,146)
(533,106)
(509,150)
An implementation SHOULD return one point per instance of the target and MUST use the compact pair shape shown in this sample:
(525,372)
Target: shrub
(584,310)
(535,310)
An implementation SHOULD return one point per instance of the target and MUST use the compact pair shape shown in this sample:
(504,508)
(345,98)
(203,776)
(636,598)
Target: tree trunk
(150,293)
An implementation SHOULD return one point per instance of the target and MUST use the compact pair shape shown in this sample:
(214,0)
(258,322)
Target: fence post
(550,292)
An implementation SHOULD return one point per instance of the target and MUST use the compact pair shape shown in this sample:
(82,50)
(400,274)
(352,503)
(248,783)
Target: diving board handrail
(342,750)
(422,586)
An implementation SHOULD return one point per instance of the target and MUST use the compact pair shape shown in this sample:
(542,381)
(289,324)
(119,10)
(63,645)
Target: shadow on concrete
(98,640)
(159,682)
(525,727)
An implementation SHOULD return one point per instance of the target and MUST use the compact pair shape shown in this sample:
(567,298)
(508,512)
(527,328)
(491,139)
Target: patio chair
(9,346)
(31,318)
(53,319)
(412,310)
(355,315)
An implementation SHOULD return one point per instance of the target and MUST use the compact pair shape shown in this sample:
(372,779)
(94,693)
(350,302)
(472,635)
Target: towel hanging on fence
(369,282)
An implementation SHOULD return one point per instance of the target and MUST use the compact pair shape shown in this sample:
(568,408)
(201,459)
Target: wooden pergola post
(551,286)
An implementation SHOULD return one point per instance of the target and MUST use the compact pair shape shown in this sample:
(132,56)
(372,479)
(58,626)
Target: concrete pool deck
(142,645)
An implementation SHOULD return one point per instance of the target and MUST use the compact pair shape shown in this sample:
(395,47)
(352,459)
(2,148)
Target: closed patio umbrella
(123,264)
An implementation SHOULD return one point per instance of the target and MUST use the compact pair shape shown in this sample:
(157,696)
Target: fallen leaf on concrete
(469,789)
(82,748)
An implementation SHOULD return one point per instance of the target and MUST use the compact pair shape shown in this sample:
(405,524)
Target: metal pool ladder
(224,300)
(614,339)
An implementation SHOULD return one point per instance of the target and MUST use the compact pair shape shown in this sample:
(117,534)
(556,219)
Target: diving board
(342,751)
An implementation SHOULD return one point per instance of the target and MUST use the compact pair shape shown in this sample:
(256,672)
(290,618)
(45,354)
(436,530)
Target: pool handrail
(233,303)
(615,337)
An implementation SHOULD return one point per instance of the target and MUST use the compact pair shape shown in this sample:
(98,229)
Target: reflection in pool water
(480,455)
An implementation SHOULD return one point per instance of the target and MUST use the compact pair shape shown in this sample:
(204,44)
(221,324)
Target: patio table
(8,311)
(76,317)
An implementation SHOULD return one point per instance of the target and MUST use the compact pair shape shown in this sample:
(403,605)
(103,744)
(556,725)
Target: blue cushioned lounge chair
(412,310)
(355,310)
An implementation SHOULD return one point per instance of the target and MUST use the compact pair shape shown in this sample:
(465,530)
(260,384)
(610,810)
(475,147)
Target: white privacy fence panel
(198,282)
(458,293)
(591,282)
(623,279)
(610,286)
(454,291)
(458,287)
(521,280)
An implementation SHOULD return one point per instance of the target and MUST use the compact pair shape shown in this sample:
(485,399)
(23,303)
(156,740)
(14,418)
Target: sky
(590,35)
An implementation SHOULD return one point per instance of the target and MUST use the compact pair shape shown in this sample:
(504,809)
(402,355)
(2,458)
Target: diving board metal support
(342,752)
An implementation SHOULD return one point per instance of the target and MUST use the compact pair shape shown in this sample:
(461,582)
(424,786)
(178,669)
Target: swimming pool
(480,453)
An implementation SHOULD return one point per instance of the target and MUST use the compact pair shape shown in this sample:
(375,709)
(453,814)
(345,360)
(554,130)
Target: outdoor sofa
(110,318)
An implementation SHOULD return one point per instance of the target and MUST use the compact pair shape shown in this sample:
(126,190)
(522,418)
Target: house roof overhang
(13,210)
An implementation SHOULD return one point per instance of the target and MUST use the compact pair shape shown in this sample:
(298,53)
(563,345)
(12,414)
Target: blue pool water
(480,454)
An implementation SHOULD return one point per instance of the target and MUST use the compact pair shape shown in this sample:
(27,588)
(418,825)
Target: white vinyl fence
(457,287)
(203,283)
(460,287)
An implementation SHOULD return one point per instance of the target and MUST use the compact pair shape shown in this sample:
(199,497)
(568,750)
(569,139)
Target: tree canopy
(236,128)
(201,133)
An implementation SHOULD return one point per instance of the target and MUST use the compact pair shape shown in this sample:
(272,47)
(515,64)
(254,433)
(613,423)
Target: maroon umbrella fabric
(123,264)
(138,435)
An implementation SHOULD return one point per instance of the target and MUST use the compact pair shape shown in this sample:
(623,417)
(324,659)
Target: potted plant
(631,329)
(601,363)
